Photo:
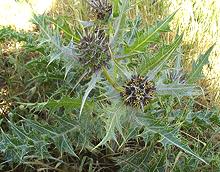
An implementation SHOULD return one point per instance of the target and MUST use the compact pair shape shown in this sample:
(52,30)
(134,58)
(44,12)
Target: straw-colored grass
(200,20)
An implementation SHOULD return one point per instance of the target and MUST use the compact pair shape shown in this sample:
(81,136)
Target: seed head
(138,91)
(94,49)
(101,8)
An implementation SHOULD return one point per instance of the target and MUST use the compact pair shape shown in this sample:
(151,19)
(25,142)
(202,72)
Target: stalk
(111,81)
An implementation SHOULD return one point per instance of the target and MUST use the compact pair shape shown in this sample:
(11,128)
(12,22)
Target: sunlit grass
(19,14)
(199,19)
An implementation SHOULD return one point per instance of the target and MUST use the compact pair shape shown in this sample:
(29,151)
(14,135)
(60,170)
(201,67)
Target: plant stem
(111,81)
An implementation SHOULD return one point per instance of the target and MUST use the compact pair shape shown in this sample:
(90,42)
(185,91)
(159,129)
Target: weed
(106,101)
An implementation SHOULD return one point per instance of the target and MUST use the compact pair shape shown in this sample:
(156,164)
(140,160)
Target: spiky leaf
(197,66)
(161,57)
(91,85)
(144,40)
(113,123)
(178,90)
(154,126)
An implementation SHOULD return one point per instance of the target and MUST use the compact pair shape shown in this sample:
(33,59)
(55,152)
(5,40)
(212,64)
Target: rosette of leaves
(136,92)
(101,9)
(93,49)
(136,112)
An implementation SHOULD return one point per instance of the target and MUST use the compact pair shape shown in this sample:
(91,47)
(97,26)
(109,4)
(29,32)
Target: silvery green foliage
(90,114)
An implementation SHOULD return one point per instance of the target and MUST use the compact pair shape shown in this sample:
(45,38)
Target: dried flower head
(5,105)
(101,8)
(94,49)
(138,91)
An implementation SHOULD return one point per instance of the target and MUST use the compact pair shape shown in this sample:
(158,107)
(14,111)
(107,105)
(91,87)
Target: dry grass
(199,19)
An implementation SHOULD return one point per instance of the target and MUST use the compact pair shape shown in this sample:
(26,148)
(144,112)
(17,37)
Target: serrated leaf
(41,149)
(54,56)
(6,139)
(68,66)
(178,90)
(54,38)
(175,141)
(64,26)
(67,123)
(64,145)
(142,41)
(122,69)
(112,123)
(160,58)
(13,148)
(120,21)
(152,73)
(198,65)
(166,133)
(91,85)
(21,134)
(43,129)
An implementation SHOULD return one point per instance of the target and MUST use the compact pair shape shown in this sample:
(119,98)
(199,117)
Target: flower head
(138,91)
(101,8)
(94,49)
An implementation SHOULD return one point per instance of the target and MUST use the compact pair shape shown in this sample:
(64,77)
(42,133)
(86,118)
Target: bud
(101,8)
(93,49)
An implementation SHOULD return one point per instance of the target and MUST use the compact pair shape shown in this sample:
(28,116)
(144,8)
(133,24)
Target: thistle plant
(141,106)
